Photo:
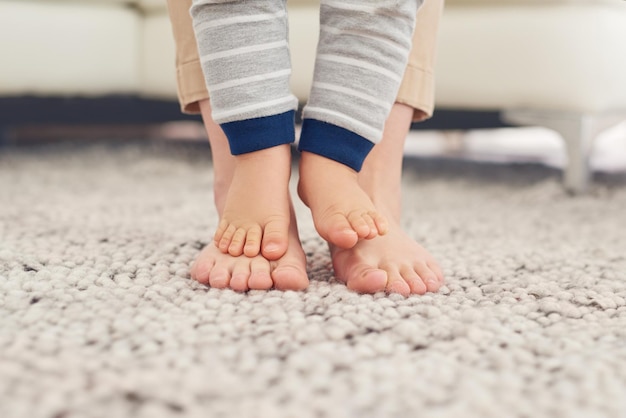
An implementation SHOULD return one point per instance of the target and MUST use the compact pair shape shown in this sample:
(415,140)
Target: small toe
(260,278)
(382,225)
(371,225)
(253,242)
(437,270)
(396,284)
(414,281)
(227,236)
(221,228)
(201,268)
(428,277)
(219,278)
(235,248)
(359,224)
(239,281)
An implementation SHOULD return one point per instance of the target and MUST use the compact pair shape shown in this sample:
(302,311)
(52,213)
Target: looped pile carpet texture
(98,316)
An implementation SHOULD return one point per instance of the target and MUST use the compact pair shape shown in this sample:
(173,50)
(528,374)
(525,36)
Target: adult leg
(395,262)
(362,54)
(212,266)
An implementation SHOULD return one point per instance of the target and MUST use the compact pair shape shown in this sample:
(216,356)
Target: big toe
(275,239)
(366,279)
(338,231)
(290,277)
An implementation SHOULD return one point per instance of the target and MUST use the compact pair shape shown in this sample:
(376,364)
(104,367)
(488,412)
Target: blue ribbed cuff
(255,134)
(334,142)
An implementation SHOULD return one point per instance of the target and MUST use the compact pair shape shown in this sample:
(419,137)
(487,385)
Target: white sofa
(96,47)
(560,64)
(554,63)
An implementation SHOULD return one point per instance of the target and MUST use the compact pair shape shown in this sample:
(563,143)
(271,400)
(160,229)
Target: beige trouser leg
(417,89)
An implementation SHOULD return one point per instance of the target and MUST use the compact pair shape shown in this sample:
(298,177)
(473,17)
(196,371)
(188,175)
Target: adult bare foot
(256,210)
(342,212)
(242,273)
(395,262)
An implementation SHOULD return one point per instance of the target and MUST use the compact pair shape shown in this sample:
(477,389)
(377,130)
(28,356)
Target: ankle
(268,165)
(268,156)
(389,207)
(314,165)
(220,192)
(316,171)
(386,195)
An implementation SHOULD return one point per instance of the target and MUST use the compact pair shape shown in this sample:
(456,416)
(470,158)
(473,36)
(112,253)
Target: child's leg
(361,57)
(245,58)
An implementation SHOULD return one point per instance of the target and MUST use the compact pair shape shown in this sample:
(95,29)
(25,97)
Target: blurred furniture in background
(554,63)
(560,64)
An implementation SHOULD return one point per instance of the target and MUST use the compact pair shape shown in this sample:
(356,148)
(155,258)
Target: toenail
(218,282)
(271,248)
(204,273)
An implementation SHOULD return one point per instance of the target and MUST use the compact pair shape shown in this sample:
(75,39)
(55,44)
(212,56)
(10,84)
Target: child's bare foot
(394,263)
(342,212)
(243,273)
(256,212)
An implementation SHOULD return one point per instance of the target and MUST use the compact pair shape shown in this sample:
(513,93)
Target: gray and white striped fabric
(244,54)
(361,57)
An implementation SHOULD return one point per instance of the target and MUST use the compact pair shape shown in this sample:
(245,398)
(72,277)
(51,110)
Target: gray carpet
(98,317)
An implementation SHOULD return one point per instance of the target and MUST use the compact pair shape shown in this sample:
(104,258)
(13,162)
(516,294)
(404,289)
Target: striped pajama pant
(361,57)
